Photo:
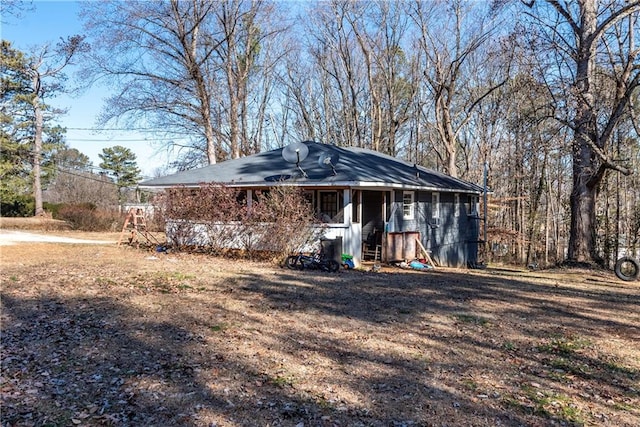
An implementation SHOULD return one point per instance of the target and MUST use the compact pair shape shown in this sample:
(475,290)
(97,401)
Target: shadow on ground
(296,348)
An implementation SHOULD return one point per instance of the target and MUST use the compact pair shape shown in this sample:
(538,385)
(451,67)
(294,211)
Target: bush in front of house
(216,218)
(86,217)
(284,219)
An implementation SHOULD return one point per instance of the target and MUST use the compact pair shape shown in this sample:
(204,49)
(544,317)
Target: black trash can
(332,249)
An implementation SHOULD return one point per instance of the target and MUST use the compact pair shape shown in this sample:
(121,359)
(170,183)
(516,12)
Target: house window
(435,205)
(472,209)
(309,197)
(328,205)
(407,204)
(456,205)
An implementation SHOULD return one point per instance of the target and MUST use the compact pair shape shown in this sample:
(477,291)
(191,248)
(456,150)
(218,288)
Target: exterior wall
(235,236)
(452,239)
(197,233)
(448,240)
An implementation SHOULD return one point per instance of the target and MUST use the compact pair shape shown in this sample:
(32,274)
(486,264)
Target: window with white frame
(456,205)
(408,198)
(435,205)
(472,209)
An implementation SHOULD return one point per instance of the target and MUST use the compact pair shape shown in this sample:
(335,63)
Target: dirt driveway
(11,237)
(101,335)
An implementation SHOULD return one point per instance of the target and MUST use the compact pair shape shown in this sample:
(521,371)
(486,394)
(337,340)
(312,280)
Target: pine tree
(121,163)
(25,160)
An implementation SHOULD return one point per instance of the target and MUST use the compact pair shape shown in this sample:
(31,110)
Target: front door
(372,217)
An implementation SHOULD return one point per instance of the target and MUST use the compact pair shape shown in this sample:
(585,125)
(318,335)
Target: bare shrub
(86,217)
(200,217)
(282,220)
(76,187)
(154,211)
(217,218)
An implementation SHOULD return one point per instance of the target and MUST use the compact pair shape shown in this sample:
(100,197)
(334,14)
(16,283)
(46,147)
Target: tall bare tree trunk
(189,39)
(37,151)
(448,136)
(585,183)
(590,143)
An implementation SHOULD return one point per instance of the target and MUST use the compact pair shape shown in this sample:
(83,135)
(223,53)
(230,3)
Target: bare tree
(14,8)
(74,183)
(451,37)
(183,68)
(300,102)
(44,68)
(352,81)
(339,82)
(389,72)
(593,46)
(157,55)
(247,55)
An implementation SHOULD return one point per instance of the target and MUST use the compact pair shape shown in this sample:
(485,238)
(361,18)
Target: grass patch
(105,281)
(564,345)
(571,366)
(471,318)
(219,327)
(621,406)
(180,276)
(470,384)
(548,404)
(163,288)
(282,381)
(617,368)
(165,282)
(510,346)
(422,358)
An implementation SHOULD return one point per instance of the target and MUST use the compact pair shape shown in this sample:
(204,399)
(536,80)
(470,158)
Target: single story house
(375,204)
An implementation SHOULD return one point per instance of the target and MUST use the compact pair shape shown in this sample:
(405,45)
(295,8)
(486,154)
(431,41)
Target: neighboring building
(376,204)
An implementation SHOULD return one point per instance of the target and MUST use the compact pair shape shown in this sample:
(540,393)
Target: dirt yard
(101,335)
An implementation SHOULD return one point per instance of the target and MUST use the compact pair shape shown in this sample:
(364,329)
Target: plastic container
(347,261)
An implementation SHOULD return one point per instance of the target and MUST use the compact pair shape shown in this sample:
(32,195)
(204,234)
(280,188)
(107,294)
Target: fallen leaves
(105,336)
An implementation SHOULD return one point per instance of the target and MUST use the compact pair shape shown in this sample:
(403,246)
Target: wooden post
(426,253)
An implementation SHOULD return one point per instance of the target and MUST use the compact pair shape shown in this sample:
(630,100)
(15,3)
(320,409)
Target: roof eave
(373,185)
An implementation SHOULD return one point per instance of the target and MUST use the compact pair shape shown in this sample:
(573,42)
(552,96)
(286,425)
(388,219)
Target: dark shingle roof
(356,167)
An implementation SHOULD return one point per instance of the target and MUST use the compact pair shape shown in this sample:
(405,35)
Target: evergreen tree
(121,164)
(18,136)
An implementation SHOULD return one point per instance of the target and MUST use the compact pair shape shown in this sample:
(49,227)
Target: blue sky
(47,23)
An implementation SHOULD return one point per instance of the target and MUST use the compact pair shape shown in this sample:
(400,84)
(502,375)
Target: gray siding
(451,239)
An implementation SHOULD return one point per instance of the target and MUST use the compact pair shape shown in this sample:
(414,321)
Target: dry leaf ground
(101,335)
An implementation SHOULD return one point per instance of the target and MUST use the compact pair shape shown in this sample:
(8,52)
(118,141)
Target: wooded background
(545,94)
